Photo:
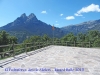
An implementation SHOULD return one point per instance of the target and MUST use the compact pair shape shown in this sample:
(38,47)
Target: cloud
(70,17)
(44,12)
(90,8)
(78,14)
(61,14)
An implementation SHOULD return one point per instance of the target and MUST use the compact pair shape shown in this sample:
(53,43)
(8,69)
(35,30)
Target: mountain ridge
(82,27)
(24,26)
(31,26)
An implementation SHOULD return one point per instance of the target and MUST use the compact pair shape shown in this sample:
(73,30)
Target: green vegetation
(92,36)
(5,38)
(90,39)
(32,39)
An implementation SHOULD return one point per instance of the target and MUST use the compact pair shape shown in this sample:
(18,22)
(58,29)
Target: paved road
(56,60)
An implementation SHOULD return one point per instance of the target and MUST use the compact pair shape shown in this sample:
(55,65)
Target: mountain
(25,26)
(82,27)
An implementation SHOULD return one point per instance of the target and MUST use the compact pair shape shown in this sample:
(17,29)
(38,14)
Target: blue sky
(58,12)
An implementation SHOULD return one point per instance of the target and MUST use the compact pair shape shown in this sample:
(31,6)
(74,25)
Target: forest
(91,36)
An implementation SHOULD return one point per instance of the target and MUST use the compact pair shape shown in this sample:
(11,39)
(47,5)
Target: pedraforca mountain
(25,26)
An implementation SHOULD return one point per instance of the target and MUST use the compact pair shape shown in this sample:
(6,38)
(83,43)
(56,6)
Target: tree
(12,39)
(33,39)
(64,38)
(71,37)
(93,35)
(96,43)
(4,38)
(81,37)
(45,38)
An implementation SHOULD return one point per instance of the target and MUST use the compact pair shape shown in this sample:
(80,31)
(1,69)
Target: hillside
(82,27)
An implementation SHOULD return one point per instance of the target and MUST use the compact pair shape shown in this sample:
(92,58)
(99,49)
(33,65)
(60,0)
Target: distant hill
(82,27)
(25,26)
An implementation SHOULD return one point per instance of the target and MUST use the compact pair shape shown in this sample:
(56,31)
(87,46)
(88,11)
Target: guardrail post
(39,45)
(13,50)
(89,44)
(66,43)
(33,45)
(81,44)
(44,44)
(26,48)
(3,55)
(47,42)
(74,44)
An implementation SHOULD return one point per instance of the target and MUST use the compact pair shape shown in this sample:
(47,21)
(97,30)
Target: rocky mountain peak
(32,16)
(23,15)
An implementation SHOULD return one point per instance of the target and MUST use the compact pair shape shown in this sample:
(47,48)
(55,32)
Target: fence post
(89,44)
(74,44)
(33,45)
(81,44)
(39,45)
(13,50)
(3,56)
(25,48)
(66,43)
(43,44)
(47,42)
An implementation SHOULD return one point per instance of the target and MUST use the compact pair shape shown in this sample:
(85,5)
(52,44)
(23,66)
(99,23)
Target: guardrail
(75,44)
(14,49)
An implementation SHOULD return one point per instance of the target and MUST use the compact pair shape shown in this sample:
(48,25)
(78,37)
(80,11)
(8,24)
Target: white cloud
(70,17)
(44,12)
(78,14)
(90,8)
(61,14)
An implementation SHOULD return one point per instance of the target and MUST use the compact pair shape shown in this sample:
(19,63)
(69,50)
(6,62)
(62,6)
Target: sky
(59,13)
